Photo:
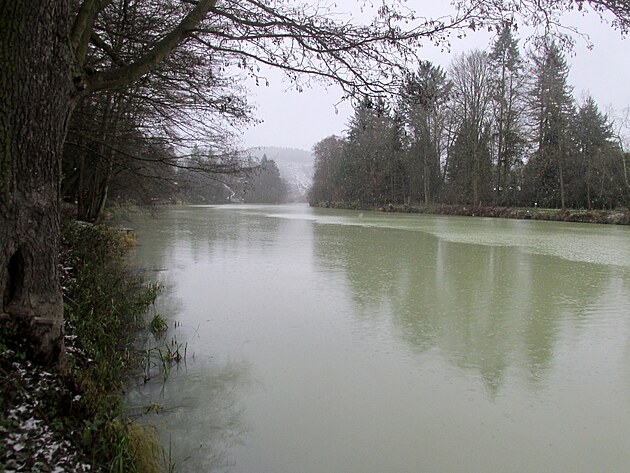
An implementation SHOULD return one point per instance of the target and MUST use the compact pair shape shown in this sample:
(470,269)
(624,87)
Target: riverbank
(614,217)
(75,420)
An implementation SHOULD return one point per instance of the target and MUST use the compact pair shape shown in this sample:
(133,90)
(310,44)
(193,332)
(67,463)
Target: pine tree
(507,83)
(423,97)
(593,135)
(552,108)
(326,185)
(266,184)
(371,165)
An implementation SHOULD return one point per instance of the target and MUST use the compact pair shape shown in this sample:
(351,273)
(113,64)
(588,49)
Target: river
(336,341)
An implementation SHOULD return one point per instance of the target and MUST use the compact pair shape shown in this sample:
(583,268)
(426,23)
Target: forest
(497,128)
(257,181)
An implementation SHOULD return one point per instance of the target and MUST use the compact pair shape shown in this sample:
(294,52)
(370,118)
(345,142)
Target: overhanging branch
(121,76)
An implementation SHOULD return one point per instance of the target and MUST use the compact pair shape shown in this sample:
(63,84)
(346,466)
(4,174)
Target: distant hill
(283,155)
(295,165)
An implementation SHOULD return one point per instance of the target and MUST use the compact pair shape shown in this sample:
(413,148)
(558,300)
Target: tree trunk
(35,103)
(625,169)
(561,173)
(475,178)
(97,165)
(426,162)
(501,134)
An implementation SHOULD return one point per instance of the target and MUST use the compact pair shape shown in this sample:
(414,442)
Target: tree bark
(35,102)
(41,78)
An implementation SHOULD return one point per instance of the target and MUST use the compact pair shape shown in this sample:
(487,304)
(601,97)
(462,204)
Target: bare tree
(471,100)
(621,134)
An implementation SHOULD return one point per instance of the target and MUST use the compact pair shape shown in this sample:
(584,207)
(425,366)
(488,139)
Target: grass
(82,408)
(158,326)
(163,358)
(137,446)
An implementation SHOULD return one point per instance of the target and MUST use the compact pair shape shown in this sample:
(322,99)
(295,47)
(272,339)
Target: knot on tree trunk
(32,321)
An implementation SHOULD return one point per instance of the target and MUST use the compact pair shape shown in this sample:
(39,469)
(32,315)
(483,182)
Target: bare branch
(121,76)
(82,28)
(97,41)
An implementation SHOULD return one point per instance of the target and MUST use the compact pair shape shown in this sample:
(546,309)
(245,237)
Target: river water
(335,341)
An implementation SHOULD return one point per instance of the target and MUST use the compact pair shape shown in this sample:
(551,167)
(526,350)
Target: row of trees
(495,129)
(139,141)
(193,181)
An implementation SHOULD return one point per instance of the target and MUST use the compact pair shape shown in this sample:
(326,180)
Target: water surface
(337,341)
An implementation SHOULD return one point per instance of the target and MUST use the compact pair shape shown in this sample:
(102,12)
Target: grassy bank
(615,217)
(75,420)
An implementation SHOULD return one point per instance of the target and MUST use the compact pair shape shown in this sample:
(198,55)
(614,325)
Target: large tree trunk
(35,102)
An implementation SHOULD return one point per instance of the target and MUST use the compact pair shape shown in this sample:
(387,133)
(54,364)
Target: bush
(81,409)
(105,304)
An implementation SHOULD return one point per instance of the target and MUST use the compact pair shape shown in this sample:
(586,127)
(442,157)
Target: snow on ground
(28,441)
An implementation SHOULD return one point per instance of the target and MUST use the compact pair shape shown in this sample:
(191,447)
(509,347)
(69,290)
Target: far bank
(614,217)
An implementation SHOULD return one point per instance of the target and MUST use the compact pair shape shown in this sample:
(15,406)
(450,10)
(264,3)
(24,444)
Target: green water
(330,341)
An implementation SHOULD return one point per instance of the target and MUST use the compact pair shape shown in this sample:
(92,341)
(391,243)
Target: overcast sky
(299,120)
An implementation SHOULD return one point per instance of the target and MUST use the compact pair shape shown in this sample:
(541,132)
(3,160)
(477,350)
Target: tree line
(496,128)
(257,182)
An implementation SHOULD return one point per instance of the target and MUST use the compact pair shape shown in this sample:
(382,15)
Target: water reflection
(210,397)
(179,234)
(486,308)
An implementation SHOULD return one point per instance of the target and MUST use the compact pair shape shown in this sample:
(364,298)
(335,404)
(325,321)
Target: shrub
(82,407)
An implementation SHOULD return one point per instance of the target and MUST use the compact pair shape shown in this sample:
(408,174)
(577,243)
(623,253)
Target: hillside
(295,165)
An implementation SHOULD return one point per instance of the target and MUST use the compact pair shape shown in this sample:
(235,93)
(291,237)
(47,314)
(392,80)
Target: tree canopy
(478,134)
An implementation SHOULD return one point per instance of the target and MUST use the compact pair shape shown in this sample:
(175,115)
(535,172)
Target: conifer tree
(423,100)
(552,108)
(594,147)
(508,107)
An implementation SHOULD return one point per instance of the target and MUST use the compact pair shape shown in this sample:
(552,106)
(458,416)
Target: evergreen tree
(552,109)
(371,166)
(423,97)
(327,180)
(266,185)
(594,147)
(508,106)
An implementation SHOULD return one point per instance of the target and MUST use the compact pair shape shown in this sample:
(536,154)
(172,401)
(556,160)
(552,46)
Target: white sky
(299,120)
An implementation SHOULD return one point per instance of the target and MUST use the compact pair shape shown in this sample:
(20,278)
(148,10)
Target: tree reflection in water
(487,308)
